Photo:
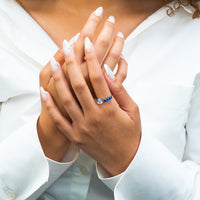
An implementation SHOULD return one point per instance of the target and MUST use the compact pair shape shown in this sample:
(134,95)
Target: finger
(118,91)
(88,30)
(74,39)
(105,39)
(114,53)
(64,93)
(76,78)
(45,74)
(122,70)
(95,72)
(62,124)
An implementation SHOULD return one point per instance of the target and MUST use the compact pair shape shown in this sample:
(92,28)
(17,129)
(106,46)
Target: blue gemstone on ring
(107,99)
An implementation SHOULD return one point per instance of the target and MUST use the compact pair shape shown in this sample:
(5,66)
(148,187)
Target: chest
(64,25)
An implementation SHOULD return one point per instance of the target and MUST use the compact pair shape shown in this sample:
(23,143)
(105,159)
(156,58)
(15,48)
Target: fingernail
(98,11)
(74,39)
(111,19)
(43,93)
(88,44)
(120,34)
(54,64)
(66,48)
(109,72)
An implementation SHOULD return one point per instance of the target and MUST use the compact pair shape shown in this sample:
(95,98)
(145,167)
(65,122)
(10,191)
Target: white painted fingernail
(74,39)
(120,34)
(111,19)
(88,44)
(43,93)
(98,11)
(54,64)
(109,72)
(66,48)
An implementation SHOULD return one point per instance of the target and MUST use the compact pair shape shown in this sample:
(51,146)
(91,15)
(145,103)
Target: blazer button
(9,193)
(83,169)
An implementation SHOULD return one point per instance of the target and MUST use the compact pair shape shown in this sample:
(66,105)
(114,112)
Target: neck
(87,6)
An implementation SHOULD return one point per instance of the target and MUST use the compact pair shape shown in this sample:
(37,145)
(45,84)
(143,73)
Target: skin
(54,137)
(106,132)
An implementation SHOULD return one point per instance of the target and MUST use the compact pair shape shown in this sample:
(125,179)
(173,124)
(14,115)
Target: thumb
(119,92)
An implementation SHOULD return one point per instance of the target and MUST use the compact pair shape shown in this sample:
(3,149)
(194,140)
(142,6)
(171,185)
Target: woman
(157,158)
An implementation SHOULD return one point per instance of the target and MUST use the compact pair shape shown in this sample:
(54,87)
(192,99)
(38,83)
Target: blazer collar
(26,35)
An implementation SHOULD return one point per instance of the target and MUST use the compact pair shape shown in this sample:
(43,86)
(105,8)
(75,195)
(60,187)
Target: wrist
(53,142)
(117,165)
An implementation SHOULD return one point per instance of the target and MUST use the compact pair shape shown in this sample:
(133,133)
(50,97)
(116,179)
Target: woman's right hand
(108,48)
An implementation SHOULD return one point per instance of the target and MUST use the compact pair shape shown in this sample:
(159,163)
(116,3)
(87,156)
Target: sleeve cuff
(58,168)
(21,153)
(106,177)
(155,173)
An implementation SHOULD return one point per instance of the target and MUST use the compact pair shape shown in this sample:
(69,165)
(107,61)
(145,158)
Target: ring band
(100,101)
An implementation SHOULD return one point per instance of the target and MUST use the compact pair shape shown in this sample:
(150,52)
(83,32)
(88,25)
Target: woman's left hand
(109,132)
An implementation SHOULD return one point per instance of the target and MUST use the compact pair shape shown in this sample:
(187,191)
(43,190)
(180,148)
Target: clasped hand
(110,133)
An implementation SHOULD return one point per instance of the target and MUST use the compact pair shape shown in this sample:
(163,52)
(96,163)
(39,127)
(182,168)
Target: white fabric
(164,81)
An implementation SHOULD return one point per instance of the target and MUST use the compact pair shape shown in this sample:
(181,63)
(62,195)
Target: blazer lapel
(25,35)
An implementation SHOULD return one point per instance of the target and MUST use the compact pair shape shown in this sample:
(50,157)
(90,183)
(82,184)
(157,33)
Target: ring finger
(95,74)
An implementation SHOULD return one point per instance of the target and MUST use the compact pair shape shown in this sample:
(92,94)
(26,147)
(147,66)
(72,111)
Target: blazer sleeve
(25,172)
(155,173)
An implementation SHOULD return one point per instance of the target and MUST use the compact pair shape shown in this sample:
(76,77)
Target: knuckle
(123,75)
(67,102)
(57,78)
(86,75)
(104,43)
(95,19)
(96,78)
(90,56)
(56,121)
(79,86)
(115,55)
(85,33)
(49,106)
(70,60)
(118,88)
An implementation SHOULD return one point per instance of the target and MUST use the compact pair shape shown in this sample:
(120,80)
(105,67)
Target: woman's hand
(110,132)
(108,47)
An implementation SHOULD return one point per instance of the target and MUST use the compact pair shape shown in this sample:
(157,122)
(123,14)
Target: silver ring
(100,101)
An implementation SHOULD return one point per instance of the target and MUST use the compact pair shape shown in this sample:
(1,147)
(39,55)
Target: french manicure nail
(43,93)
(74,39)
(109,72)
(120,34)
(98,11)
(54,64)
(111,19)
(88,44)
(66,47)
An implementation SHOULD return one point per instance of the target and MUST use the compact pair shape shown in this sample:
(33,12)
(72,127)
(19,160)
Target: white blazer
(163,79)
